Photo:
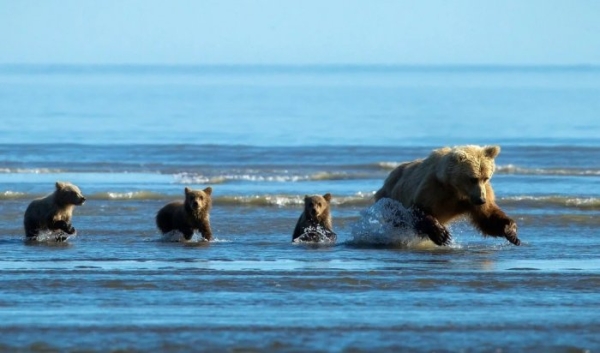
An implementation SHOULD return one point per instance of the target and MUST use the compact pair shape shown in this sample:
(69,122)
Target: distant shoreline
(199,68)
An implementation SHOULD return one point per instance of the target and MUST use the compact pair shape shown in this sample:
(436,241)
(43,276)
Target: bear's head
(198,200)
(68,194)
(316,207)
(468,169)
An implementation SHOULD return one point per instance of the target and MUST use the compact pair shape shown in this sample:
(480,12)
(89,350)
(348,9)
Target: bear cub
(315,219)
(187,216)
(53,212)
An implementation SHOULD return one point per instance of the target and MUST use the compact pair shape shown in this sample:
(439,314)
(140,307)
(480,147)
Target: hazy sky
(300,32)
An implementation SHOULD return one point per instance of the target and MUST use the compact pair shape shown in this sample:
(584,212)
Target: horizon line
(141,69)
(304,65)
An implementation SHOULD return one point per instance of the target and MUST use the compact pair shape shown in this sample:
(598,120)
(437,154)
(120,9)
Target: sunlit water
(132,138)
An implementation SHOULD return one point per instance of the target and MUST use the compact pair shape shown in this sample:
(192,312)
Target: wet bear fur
(53,212)
(450,183)
(316,214)
(187,216)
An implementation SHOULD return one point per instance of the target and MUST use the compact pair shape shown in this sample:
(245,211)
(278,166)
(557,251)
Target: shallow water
(133,138)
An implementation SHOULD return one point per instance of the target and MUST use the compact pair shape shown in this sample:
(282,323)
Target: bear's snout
(79,201)
(479,200)
(196,205)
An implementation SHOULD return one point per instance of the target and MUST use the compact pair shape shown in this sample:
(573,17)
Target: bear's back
(169,216)
(40,206)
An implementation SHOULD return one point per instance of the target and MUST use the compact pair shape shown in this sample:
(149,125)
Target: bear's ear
(208,190)
(59,185)
(491,151)
(327,197)
(187,190)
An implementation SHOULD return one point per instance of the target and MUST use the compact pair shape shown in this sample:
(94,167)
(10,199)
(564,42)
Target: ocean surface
(133,137)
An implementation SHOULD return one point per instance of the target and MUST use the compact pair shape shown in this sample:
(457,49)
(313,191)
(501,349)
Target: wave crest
(513,169)
(387,165)
(130,195)
(582,203)
(13,195)
(29,171)
(192,178)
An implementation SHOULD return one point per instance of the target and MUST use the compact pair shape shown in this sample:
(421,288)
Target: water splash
(48,236)
(387,223)
(316,234)
(176,236)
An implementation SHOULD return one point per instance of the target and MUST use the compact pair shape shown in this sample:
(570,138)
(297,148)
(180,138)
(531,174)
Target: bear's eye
(474,180)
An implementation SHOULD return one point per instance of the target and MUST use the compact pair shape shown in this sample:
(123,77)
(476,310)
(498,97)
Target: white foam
(11,194)
(187,178)
(514,169)
(254,176)
(388,165)
(176,236)
(29,171)
(121,195)
(316,234)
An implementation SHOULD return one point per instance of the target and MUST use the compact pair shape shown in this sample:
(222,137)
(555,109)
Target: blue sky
(428,32)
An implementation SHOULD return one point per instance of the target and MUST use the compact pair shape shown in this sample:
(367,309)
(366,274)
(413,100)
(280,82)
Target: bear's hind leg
(188,233)
(31,233)
(32,229)
(426,224)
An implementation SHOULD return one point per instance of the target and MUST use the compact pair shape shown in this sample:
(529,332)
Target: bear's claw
(442,237)
(510,232)
(426,224)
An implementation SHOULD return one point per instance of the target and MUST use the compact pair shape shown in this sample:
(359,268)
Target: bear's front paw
(426,224)
(440,235)
(510,232)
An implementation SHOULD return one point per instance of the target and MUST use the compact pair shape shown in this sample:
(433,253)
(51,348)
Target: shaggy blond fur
(449,183)
(53,212)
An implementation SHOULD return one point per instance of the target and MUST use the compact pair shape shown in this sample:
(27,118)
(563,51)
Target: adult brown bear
(449,183)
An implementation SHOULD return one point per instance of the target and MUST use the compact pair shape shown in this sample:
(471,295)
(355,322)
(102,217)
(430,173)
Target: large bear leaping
(449,183)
